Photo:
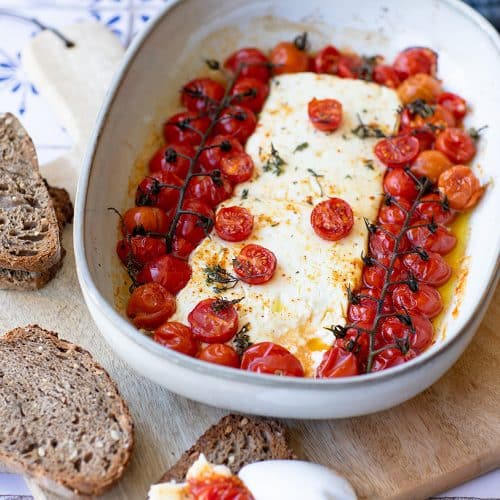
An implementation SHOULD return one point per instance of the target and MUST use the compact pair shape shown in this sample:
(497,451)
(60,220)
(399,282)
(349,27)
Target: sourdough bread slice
(62,419)
(29,232)
(235,441)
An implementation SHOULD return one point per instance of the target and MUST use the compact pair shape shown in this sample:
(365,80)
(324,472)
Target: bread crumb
(41,452)
(244,421)
(115,436)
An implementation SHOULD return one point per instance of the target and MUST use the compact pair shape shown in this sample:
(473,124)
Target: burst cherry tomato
(394,213)
(415,60)
(337,362)
(287,58)
(140,220)
(433,238)
(250,93)
(255,264)
(218,488)
(332,219)
(349,66)
(456,144)
(326,60)
(453,103)
(158,190)
(357,343)
(363,312)
(139,250)
(251,62)
(426,301)
(178,337)
(430,164)
(234,223)
(150,305)
(191,226)
(185,128)
(266,357)
(461,187)
(181,247)
(214,321)
(382,241)
(325,114)
(419,86)
(220,354)
(218,148)
(237,168)
(397,151)
(172,158)
(432,207)
(170,272)
(433,271)
(237,122)
(440,119)
(208,191)
(399,183)
(419,333)
(386,75)
(374,275)
(389,358)
(202,94)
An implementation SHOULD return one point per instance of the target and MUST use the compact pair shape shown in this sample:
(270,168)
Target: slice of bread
(29,231)
(62,419)
(235,441)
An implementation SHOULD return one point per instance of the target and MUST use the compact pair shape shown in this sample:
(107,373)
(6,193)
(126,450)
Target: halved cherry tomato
(140,220)
(206,190)
(426,300)
(250,93)
(237,122)
(178,337)
(185,128)
(453,103)
(383,241)
(386,75)
(287,58)
(181,247)
(397,151)
(266,357)
(433,271)
(349,65)
(419,86)
(220,354)
(419,333)
(391,357)
(415,60)
(191,226)
(461,187)
(159,190)
(400,184)
(218,148)
(326,60)
(218,488)
(433,239)
(233,223)
(456,144)
(394,213)
(170,272)
(255,264)
(150,305)
(214,321)
(237,168)
(140,249)
(430,164)
(325,114)
(432,207)
(202,94)
(250,62)
(172,158)
(332,219)
(337,362)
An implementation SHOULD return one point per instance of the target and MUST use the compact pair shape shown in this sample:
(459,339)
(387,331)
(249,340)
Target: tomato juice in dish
(299,218)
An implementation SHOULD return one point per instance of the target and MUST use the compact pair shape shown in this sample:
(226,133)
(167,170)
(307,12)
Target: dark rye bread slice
(29,232)
(235,441)
(62,419)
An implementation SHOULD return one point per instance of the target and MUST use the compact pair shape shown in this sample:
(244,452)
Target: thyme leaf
(220,278)
(212,64)
(475,133)
(241,341)
(420,107)
(364,131)
(274,163)
(369,164)
(221,303)
(317,177)
(244,194)
(301,147)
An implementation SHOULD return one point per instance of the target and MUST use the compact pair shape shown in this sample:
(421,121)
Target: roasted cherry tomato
(237,122)
(434,207)
(430,164)
(214,320)
(159,190)
(250,62)
(202,94)
(397,151)
(266,357)
(357,343)
(237,168)
(426,300)
(391,357)
(461,187)
(456,144)
(250,93)
(349,66)
(433,270)
(172,158)
(218,488)
(170,272)
(400,184)
(332,219)
(287,58)
(362,312)
(216,149)
(138,250)
(419,86)
(255,264)
(233,223)
(432,237)
(140,220)
(185,128)
(454,103)
(337,362)
(181,247)
(191,226)
(178,337)
(382,241)
(419,331)
(394,212)
(326,60)
(209,191)
(415,60)
(150,305)
(325,114)
(440,119)
(220,354)
(386,75)
(374,275)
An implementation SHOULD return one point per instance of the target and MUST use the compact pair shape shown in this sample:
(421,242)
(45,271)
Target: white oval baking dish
(155,66)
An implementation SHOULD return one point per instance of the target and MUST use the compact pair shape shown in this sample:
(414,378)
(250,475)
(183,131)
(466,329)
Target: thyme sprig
(475,133)
(421,108)
(241,341)
(364,130)
(221,279)
(221,303)
(274,163)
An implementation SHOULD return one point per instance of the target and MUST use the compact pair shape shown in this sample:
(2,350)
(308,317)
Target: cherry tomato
(419,333)
(218,488)
(266,357)
(140,249)
(150,305)
(433,208)
(202,94)
(454,103)
(397,151)
(389,358)
(220,354)
(461,187)
(415,60)
(337,362)
(363,312)
(237,168)
(456,144)
(433,271)
(170,272)
(140,220)
(376,293)
(440,119)
(214,321)
(430,164)
(172,158)
(250,62)
(237,122)
(357,343)
(287,58)
(250,93)
(374,275)
(382,241)
(332,219)
(208,191)
(325,114)
(192,227)
(185,128)
(349,66)
(158,190)
(386,75)
(326,60)
(399,184)
(255,264)
(218,148)
(419,86)
(178,337)
(181,247)
(426,301)
(233,223)
(394,213)
(439,239)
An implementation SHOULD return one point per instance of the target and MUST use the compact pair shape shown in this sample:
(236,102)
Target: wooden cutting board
(443,437)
